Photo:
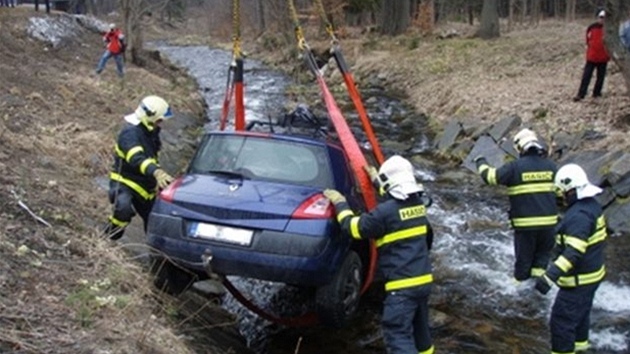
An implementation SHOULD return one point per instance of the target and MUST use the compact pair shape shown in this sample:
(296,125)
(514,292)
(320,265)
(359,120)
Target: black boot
(113,232)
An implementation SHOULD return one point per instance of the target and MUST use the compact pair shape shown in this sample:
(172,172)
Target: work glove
(334,196)
(372,172)
(480,160)
(162,178)
(543,284)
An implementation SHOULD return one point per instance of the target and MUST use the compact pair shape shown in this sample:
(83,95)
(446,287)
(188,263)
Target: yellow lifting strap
(329,27)
(236,29)
(299,34)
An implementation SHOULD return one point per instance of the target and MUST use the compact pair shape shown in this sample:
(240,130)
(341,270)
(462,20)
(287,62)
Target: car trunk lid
(240,202)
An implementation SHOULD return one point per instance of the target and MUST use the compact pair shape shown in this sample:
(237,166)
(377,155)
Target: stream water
(477,306)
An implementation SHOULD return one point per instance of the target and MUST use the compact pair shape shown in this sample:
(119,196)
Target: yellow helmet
(152,109)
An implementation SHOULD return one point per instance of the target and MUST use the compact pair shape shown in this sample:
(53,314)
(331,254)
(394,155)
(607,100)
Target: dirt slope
(532,72)
(62,288)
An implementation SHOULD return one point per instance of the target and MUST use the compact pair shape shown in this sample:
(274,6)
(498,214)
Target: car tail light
(315,207)
(168,194)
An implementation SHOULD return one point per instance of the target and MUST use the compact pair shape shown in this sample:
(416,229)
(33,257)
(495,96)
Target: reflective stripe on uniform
(536,272)
(531,188)
(491,177)
(354,227)
(145,164)
(408,282)
(343,214)
(131,184)
(582,279)
(134,150)
(117,222)
(119,152)
(577,243)
(581,346)
(563,263)
(600,234)
(401,235)
(428,351)
(535,221)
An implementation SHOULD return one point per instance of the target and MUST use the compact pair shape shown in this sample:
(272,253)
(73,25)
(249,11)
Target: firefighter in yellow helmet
(400,228)
(136,174)
(533,210)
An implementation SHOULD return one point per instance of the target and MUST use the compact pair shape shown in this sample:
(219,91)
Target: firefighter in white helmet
(400,227)
(533,210)
(136,173)
(578,266)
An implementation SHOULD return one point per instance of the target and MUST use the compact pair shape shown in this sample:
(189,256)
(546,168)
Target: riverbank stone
(594,162)
(606,197)
(449,136)
(488,148)
(619,170)
(618,216)
(500,129)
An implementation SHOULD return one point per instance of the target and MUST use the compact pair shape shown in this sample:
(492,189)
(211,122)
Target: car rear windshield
(264,158)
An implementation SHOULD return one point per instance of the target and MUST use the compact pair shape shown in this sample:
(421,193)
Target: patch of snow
(56,29)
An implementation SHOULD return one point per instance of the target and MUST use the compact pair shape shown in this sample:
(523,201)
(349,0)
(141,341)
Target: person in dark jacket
(596,58)
(46,3)
(115,46)
(578,267)
(400,227)
(533,210)
(136,171)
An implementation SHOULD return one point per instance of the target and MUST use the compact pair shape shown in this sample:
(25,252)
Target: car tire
(169,277)
(338,301)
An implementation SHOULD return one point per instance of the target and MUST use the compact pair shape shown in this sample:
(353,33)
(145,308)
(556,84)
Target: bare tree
(395,17)
(489,27)
(535,13)
(618,11)
(570,10)
(133,12)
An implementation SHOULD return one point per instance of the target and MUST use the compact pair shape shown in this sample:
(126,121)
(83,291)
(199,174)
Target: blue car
(254,202)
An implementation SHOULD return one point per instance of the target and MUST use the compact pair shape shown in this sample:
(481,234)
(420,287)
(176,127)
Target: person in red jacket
(115,46)
(596,58)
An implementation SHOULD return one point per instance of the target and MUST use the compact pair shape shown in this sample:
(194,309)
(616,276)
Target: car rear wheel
(339,300)
(169,277)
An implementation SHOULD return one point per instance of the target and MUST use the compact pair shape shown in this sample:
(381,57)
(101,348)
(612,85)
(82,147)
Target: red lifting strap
(308,319)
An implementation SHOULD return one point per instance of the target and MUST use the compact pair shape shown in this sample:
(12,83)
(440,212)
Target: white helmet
(526,139)
(150,110)
(396,175)
(572,176)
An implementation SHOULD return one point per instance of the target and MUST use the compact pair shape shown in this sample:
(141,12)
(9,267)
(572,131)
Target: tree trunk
(489,27)
(395,17)
(426,16)
(510,15)
(262,26)
(535,12)
(471,13)
(570,10)
(617,13)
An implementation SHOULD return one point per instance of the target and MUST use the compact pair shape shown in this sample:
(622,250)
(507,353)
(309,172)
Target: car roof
(301,139)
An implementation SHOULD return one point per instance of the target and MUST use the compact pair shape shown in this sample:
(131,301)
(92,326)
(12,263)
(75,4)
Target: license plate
(221,233)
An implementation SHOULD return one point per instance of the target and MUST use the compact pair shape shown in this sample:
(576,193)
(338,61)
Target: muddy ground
(63,288)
